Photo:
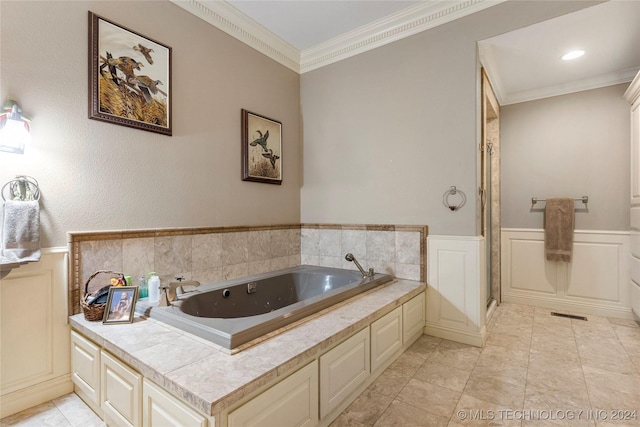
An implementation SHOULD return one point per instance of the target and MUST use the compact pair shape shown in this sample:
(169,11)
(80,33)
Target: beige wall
(567,146)
(99,176)
(387,132)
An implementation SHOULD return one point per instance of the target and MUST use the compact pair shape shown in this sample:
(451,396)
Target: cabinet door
(342,370)
(85,369)
(121,389)
(414,318)
(291,402)
(161,409)
(386,338)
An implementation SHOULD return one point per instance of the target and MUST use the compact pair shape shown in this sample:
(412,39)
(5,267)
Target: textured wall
(100,176)
(567,146)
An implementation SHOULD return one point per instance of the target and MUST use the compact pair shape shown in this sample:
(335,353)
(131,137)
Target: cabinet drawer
(342,370)
(414,317)
(386,338)
(121,389)
(291,402)
(85,369)
(162,409)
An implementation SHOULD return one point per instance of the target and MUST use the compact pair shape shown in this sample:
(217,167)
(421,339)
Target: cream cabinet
(85,370)
(414,318)
(121,389)
(291,402)
(343,369)
(162,409)
(386,338)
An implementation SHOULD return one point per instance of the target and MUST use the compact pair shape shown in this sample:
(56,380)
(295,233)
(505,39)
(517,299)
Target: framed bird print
(129,77)
(261,149)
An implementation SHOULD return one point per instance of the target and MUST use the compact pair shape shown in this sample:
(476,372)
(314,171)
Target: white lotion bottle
(154,287)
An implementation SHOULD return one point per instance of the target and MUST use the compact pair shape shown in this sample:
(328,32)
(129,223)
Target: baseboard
(570,306)
(34,395)
(475,338)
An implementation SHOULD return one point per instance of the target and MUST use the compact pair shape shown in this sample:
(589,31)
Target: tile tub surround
(208,377)
(221,253)
(392,249)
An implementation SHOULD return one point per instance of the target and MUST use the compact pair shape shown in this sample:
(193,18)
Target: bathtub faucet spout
(349,257)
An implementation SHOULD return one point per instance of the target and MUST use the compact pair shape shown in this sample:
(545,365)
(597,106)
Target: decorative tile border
(211,254)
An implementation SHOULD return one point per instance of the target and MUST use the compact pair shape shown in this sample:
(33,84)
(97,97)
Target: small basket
(95,283)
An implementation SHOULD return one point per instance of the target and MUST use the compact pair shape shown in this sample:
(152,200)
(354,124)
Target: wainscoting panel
(456,288)
(596,281)
(34,356)
(531,272)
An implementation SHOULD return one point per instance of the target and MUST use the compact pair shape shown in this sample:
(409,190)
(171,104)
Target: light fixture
(572,55)
(14,128)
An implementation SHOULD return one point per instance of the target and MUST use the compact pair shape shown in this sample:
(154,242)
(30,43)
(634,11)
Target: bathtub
(234,312)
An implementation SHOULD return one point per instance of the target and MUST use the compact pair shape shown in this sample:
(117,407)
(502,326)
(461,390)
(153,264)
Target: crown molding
(405,23)
(226,18)
(604,80)
(423,16)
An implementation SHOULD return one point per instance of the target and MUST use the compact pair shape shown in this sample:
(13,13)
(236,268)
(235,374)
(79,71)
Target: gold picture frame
(129,77)
(120,304)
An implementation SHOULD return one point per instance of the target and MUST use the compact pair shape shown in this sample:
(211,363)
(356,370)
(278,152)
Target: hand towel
(559,216)
(20,232)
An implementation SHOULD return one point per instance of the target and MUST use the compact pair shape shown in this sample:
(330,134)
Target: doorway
(490,188)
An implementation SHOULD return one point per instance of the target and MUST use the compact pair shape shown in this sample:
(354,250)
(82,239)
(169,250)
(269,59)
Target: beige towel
(558,229)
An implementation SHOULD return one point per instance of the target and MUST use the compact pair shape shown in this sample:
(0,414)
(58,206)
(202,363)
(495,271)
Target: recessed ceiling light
(573,55)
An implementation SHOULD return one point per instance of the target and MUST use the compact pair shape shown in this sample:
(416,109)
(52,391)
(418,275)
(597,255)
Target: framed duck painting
(129,77)
(261,149)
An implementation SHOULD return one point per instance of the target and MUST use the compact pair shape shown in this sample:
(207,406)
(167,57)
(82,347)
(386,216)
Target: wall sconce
(14,128)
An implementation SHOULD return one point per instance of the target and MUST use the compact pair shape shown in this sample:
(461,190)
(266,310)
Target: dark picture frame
(129,77)
(261,148)
(120,304)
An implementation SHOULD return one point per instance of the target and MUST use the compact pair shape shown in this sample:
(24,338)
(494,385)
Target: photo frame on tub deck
(120,304)
(261,148)
(129,77)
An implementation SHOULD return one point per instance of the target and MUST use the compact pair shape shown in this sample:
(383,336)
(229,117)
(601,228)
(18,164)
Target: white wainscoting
(456,289)
(35,350)
(596,281)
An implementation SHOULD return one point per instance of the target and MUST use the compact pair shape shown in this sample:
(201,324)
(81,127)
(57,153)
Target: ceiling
(522,64)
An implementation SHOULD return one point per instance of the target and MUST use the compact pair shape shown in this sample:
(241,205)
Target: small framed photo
(129,77)
(261,149)
(120,304)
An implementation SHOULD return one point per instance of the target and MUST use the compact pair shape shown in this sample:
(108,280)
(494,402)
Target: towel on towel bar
(20,232)
(559,217)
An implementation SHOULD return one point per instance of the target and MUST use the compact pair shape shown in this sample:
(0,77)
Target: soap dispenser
(154,287)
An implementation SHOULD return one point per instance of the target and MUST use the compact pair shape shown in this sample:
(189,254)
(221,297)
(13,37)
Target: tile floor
(536,369)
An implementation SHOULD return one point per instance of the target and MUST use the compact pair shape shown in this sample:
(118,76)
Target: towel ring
(453,191)
(23,188)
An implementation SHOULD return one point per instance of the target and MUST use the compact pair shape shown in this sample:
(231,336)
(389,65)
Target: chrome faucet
(169,292)
(349,257)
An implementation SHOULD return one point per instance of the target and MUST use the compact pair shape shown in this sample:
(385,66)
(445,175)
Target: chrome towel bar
(583,199)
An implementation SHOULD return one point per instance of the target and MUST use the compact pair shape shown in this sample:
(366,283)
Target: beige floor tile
(434,398)
(390,382)
(402,414)
(45,414)
(471,411)
(443,375)
(344,420)
(612,391)
(407,364)
(75,410)
(504,355)
(499,391)
(368,407)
